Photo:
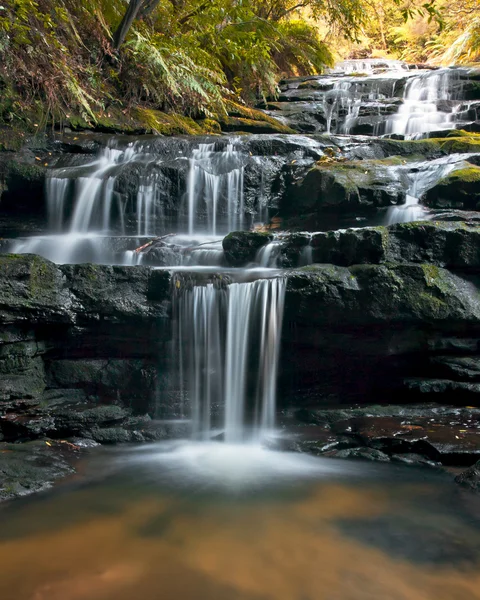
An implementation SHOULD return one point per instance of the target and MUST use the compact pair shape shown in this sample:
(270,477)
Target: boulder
(460,190)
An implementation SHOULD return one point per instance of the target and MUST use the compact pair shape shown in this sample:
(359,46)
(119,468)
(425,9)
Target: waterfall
(215,189)
(370,65)
(428,104)
(229,339)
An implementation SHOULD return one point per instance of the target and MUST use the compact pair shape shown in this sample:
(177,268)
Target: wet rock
(415,460)
(368,294)
(22,179)
(349,247)
(463,368)
(108,379)
(422,435)
(451,245)
(348,187)
(241,247)
(460,190)
(362,453)
(470,478)
(33,466)
(32,291)
(113,292)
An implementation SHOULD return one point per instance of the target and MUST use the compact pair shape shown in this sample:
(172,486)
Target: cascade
(420,178)
(85,207)
(370,66)
(228,341)
(430,103)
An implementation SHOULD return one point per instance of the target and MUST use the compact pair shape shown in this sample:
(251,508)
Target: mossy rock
(141,120)
(460,189)
(241,125)
(342,187)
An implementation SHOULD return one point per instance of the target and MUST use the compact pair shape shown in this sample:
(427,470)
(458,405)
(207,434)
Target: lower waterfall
(228,339)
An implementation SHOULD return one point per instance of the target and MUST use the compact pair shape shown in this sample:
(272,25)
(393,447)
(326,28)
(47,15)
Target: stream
(189,520)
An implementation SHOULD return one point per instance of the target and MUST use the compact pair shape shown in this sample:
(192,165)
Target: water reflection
(156,525)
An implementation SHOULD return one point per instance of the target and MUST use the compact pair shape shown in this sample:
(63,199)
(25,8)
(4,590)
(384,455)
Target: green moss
(210,126)
(432,304)
(240,124)
(12,139)
(469,174)
(42,276)
(432,274)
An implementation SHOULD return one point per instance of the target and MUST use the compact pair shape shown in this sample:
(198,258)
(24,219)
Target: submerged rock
(470,478)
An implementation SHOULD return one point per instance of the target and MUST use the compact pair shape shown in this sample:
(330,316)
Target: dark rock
(363,453)
(415,460)
(451,245)
(345,248)
(33,466)
(108,379)
(460,189)
(241,247)
(368,294)
(32,291)
(470,478)
(463,368)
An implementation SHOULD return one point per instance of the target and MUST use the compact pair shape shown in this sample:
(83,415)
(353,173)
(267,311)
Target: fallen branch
(158,239)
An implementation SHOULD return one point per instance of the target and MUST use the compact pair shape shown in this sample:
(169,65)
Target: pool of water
(218,522)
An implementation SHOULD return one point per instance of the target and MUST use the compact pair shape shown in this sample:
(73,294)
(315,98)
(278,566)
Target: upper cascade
(371,66)
(379,97)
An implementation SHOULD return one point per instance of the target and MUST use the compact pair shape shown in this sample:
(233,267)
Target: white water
(82,203)
(215,189)
(229,340)
(370,66)
(428,104)
(422,176)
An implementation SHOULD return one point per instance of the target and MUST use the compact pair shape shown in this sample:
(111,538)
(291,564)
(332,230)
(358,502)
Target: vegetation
(442,33)
(108,61)
(95,57)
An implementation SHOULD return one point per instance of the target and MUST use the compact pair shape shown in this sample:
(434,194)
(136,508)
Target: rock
(451,245)
(241,247)
(353,246)
(415,460)
(33,466)
(126,380)
(363,453)
(343,187)
(470,478)
(422,435)
(463,368)
(373,294)
(460,189)
(32,291)
(22,180)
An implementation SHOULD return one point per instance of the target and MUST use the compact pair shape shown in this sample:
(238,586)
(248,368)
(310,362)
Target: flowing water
(229,340)
(421,177)
(224,515)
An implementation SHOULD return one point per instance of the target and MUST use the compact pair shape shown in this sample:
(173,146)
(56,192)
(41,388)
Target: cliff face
(86,348)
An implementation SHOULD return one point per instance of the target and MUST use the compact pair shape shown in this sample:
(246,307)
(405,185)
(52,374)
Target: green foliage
(184,56)
(441,32)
